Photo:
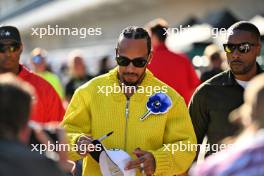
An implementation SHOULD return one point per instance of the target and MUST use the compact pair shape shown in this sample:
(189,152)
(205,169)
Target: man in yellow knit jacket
(98,107)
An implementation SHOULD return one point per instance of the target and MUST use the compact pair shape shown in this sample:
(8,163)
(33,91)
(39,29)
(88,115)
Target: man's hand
(145,162)
(83,144)
(66,165)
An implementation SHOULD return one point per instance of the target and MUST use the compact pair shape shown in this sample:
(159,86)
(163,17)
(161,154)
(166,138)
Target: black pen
(105,136)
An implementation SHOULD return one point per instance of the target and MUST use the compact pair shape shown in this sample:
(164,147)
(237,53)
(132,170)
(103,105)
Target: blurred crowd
(71,75)
(225,103)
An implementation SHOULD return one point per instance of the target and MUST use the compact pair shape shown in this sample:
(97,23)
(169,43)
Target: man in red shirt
(172,68)
(47,104)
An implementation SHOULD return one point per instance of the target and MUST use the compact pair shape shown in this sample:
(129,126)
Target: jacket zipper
(126,116)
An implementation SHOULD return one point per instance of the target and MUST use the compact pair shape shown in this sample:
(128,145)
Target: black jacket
(17,159)
(211,104)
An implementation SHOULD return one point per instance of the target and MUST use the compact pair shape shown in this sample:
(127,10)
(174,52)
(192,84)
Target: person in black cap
(9,41)
(47,108)
(10,33)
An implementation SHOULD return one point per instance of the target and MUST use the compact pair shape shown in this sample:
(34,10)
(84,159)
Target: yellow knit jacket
(94,113)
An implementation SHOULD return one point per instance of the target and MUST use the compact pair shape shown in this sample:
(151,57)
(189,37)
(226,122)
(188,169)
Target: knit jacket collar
(113,80)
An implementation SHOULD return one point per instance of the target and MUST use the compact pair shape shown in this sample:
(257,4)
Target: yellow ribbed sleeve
(170,160)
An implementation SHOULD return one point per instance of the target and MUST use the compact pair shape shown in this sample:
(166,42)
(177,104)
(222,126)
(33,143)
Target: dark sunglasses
(12,47)
(137,62)
(241,47)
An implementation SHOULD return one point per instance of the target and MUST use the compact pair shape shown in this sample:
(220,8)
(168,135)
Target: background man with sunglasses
(93,114)
(216,98)
(48,106)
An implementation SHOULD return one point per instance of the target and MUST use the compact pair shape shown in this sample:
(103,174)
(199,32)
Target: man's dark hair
(134,32)
(159,31)
(246,26)
(15,104)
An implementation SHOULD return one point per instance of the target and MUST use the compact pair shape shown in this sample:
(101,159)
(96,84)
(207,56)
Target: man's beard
(244,68)
(135,83)
(130,83)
